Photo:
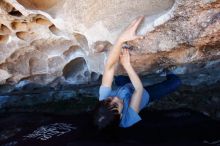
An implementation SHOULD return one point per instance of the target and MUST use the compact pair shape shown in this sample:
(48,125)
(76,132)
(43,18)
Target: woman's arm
(110,64)
(136,97)
(128,35)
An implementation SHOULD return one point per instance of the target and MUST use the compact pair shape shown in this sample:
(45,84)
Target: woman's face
(117,102)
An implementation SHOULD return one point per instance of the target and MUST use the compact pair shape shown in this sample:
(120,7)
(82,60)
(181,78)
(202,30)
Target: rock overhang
(176,33)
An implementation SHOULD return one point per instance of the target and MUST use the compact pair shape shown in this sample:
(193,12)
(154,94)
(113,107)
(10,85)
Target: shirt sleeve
(104,92)
(129,118)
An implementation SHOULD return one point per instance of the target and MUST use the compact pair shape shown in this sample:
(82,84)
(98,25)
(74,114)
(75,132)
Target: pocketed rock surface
(47,45)
(39,40)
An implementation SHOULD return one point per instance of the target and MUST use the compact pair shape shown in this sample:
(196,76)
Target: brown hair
(105,115)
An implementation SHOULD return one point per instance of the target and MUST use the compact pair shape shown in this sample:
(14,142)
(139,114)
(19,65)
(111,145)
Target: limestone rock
(4,29)
(38,5)
(6,6)
(26,36)
(44,40)
(76,71)
(20,26)
(4,39)
(42,21)
(4,75)
(56,64)
(55,30)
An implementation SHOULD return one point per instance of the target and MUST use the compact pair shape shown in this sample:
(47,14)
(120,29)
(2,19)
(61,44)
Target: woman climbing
(121,107)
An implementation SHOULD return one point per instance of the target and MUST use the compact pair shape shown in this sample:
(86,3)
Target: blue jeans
(158,90)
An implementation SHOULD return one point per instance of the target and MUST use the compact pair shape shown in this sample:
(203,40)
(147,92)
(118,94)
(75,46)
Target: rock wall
(45,41)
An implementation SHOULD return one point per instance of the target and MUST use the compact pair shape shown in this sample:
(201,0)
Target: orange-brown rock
(4,29)
(19,26)
(6,6)
(38,5)
(46,42)
(26,36)
(3,39)
(71,50)
(55,30)
(42,21)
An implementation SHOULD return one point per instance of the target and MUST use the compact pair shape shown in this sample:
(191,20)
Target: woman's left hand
(130,32)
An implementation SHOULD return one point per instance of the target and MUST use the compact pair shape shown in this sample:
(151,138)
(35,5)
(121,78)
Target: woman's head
(108,112)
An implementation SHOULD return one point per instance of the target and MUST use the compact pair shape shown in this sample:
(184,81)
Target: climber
(120,107)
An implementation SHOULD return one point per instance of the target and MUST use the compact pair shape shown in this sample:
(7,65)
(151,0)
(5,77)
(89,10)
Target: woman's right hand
(129,33)
(125,58)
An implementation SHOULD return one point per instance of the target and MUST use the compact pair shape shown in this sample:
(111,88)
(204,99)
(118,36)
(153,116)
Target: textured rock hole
(5,6)
(21,26)
(38,4)
(55,30)
(4,29)
(102,46)
(94,76)
(26,36)
(38,65)
(86,73)
(79,77)
(15,12)
(4,75)
(9,8)
(81,40)
(56,64)
(4,39)
(74,68)
(71,51)
(42,21)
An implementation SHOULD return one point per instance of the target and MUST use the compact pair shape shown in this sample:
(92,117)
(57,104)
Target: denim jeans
(158,90)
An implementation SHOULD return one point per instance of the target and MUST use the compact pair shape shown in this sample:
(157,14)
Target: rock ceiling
(49,39)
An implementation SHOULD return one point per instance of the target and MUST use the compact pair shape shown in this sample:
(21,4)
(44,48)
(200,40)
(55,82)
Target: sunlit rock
(42,21)
(4,75)
(4,39)
(4,29)
(6,6)
(76,71)
(52,47)
(56,64)
(38,5)
(26,36)
(20,26)
(41,39)
(55,30)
